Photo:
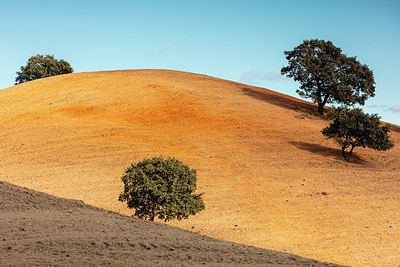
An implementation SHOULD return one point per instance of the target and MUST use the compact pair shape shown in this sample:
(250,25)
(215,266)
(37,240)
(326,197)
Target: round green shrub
(161,187)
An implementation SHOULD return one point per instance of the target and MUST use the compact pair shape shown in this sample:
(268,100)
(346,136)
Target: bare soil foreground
(40,229)
(270,178)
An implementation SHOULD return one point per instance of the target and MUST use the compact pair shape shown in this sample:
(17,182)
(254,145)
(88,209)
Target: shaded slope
(269,176)
(40,229)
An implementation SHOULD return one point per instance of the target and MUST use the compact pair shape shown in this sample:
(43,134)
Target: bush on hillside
(161,187)
(353,127)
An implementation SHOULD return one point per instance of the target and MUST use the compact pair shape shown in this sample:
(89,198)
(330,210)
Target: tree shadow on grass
(282,100)
(327,151)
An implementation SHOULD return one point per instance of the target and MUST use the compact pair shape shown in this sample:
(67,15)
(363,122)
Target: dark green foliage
(161,187)
(326,75)
(352,127)
(42,66)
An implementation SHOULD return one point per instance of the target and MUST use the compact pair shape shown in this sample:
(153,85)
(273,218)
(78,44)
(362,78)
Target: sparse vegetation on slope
(269,179)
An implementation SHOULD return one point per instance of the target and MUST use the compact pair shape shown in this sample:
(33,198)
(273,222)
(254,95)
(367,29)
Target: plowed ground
(43,230)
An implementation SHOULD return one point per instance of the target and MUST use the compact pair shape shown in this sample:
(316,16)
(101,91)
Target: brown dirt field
(269,176)
(40,229)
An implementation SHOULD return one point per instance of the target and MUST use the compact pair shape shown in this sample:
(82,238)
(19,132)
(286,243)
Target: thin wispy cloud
(394,109)
(377,106)
(256,77)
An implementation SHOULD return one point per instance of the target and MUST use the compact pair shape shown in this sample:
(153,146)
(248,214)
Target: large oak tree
(326,75)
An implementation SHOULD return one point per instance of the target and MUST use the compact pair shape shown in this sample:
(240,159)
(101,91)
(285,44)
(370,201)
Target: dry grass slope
(270,178)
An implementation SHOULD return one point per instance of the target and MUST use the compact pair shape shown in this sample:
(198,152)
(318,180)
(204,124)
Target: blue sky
(239,40)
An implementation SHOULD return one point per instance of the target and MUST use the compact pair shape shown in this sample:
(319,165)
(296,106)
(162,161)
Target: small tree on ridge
(42,66)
